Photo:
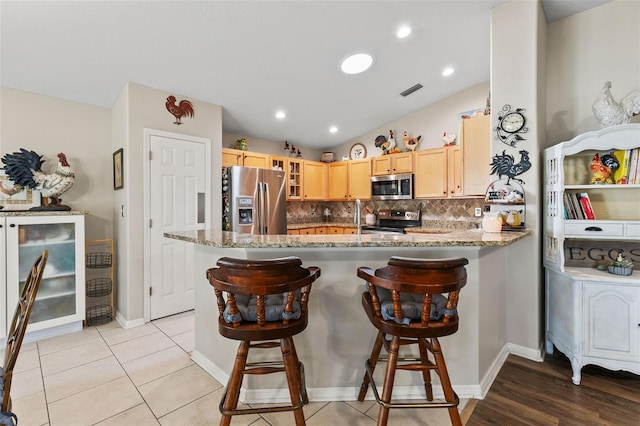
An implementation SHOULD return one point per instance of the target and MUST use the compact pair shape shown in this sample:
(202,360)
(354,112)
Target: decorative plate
(358,151)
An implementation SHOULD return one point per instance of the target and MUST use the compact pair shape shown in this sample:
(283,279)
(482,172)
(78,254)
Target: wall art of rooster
(505,165)
(24,168)
(182,109)
(609,112)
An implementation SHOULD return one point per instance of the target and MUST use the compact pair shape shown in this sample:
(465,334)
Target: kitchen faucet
(356,217)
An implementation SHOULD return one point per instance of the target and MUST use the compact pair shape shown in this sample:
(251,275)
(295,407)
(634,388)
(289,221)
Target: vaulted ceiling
(256,57)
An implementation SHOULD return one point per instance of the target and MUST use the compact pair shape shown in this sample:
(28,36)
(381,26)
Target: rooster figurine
(24,169)
(449,139)
(183,109)
(610,113)
(386,145)
(409,142)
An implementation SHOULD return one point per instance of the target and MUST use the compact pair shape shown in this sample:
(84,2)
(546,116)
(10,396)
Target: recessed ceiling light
(333,129)
(280,114)
(447,71)
(356,63)
(403,31)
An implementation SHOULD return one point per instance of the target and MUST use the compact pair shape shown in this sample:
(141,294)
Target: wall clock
(511,123)
(358,151)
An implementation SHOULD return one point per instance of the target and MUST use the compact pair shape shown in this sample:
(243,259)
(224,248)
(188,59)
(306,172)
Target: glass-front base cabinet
(60,302)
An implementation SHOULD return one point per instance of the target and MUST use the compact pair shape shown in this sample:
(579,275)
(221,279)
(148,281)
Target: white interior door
(177,199)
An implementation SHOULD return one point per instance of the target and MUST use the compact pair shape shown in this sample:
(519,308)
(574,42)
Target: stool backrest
(19,325)
(422,277)
(261,278)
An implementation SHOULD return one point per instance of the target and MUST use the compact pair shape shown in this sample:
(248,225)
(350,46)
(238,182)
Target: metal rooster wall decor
(182,109)
(505,165)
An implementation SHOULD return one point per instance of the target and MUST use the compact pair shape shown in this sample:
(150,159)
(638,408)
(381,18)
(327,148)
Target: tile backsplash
(461,210)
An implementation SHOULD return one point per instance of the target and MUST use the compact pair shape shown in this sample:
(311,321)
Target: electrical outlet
(478,211)
(487,208)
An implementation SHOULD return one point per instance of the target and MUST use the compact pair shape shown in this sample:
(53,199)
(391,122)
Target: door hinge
(150,291)
(150,156)
(150,223)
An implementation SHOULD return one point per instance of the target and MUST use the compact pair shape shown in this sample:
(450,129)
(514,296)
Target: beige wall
(48,126)
(430,122)
(516,34)
(139,107)
(584,51)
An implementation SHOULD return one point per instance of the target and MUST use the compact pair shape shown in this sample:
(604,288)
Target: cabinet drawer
(633,230)
(593,229)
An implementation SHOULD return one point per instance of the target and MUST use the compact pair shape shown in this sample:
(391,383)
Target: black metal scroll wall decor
(505,165)
(511,124)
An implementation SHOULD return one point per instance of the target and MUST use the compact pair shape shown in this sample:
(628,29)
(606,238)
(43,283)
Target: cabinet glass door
(57,294)
(60,298)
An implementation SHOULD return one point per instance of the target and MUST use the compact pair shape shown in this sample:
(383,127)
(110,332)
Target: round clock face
(512,122)
(358,151)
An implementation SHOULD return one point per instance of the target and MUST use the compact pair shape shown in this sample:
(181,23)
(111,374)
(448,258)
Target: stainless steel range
(393,222)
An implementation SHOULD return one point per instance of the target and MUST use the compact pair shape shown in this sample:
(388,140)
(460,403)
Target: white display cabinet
(60,302)
(593,317)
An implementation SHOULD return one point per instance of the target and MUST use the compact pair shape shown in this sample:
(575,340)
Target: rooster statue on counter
(24,168)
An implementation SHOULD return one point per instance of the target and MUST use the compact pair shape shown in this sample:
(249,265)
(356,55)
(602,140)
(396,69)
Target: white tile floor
(144,376)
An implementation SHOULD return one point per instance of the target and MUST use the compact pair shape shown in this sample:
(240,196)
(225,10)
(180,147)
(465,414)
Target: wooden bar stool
(265,306)
(405,302)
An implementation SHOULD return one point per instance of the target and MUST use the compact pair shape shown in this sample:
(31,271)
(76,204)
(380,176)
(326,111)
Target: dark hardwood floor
(541,393)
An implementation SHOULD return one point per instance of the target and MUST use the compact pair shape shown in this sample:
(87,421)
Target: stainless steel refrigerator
(254,200)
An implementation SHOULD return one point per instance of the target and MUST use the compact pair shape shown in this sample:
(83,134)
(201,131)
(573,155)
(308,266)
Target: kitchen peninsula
(337,341)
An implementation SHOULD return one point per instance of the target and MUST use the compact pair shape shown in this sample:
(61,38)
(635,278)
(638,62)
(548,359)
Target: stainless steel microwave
(392,187)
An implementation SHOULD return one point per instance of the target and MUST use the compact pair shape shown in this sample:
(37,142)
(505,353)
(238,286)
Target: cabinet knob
(13,225)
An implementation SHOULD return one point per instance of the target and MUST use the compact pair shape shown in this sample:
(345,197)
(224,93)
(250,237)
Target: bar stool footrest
(280,408)
(430,404)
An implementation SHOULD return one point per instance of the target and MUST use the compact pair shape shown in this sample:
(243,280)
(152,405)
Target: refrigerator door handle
(261,217)
(266,201)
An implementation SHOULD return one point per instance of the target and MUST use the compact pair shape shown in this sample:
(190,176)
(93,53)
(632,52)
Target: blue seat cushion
(273,306)
(411,305)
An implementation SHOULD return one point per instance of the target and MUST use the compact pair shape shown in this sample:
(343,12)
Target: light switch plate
(478,211)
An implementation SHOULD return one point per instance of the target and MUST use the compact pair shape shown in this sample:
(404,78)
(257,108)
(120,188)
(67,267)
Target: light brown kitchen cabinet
(336,230)
(350,231)
(236,157)
(392,164)
(294,180)
(476,146)
(338,181)
(438,172)
(454,171)
(314,182)
(307,231)
(293,232)
(359,179)
(350,180)
(322,230)
(430,177)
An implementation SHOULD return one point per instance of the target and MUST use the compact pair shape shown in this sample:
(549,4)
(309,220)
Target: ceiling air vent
(412,89)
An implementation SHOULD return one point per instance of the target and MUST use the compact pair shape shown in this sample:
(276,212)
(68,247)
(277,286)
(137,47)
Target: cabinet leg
(577,375)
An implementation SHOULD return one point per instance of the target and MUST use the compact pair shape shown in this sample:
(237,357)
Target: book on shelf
(570,211)
(585,203)
(575,197)
(621,174)
(634,165)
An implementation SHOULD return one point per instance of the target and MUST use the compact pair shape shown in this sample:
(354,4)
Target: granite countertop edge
(462,238)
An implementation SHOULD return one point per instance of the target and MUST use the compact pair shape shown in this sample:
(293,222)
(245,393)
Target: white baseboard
(528,353)
(208,366)
(128,324)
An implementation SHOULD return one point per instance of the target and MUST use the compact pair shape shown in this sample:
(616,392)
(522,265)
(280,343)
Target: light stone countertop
(429,237)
